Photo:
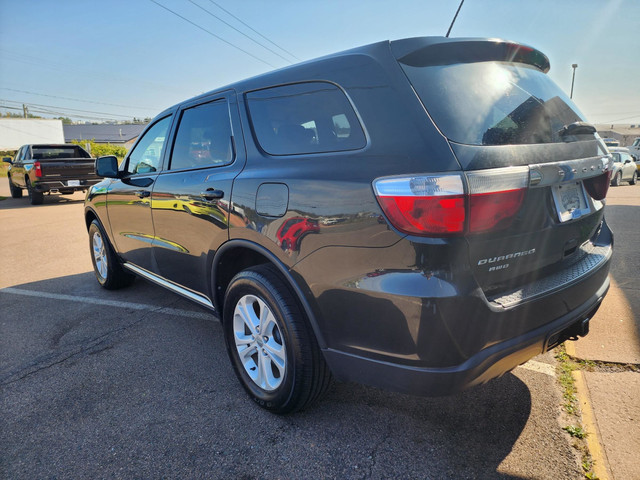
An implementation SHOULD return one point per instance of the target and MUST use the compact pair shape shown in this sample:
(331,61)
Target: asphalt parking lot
(137,384)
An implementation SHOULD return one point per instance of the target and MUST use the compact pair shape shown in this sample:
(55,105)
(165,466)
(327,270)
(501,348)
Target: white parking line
(539,367)
(530,365)
(111,303)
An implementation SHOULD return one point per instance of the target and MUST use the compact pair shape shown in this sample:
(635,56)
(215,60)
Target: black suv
(422,215)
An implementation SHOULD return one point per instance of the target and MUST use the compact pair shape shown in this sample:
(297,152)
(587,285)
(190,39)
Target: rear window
(493,102)
(313,117)
(44,153)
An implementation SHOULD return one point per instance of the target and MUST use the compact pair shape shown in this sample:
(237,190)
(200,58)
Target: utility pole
(25,111)
(573,78)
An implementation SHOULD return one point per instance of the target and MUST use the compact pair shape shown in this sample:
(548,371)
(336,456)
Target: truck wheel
(36,198)
(110,274)
(634,179)
(272,347)
(16,192)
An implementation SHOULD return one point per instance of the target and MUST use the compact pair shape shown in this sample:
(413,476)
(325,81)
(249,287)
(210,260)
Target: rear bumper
(489,363)
(63,185)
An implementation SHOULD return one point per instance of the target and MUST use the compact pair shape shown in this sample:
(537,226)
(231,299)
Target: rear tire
(35,197)
(16,192)
(108,270)
(270,343)
(634,178)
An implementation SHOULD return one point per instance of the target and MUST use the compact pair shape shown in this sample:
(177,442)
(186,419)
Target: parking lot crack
(50,360)
(376,449)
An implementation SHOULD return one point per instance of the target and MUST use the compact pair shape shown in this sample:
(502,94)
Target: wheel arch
(89,216)
(237,255)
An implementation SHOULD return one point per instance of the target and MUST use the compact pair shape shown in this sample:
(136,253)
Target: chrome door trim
(196,297)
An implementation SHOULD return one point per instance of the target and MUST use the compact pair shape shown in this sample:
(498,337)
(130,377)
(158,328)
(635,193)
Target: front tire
(109,272)
(271,345)
(634,178)
(16,192)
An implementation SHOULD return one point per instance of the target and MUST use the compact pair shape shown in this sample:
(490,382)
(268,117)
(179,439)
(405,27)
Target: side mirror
(7,160)
(107,166)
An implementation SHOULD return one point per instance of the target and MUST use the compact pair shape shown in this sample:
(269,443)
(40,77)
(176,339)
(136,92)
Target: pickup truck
(50,169)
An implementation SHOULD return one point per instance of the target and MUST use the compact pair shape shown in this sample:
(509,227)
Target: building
(118,134)
(15,132)
(625,134)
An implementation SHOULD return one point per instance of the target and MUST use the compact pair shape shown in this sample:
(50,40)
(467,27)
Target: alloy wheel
(259,342)
(99,255)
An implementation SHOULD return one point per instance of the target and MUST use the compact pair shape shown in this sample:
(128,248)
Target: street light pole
(573,78)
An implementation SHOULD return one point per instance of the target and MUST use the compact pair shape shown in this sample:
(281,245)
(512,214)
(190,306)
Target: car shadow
(625,264)
(156,386)
(10,203)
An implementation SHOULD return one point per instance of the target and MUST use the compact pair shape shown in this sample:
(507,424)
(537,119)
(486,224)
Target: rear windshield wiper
(577,128)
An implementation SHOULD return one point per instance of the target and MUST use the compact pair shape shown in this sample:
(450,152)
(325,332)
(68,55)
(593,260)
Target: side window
(19,154)
(313,117)
(203,138)
(147,154)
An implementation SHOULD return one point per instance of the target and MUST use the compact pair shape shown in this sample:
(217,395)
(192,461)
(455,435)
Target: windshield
(493,103)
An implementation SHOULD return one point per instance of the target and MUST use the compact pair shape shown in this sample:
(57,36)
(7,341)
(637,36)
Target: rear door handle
(143,193)
(212,194)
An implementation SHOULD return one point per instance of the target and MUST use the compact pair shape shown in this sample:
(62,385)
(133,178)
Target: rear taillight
(423,205)
(495,196)
(37,168)
(598,186)
(435,205)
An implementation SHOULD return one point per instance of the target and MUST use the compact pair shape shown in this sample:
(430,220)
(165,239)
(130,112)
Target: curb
(593,438)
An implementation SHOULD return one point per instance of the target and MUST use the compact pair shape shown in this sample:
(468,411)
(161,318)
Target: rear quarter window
(312,117)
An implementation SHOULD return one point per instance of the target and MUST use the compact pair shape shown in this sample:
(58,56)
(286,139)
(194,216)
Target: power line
(637,115)
(69,67)
(614,113)
(76,99)
(62,111)
(239,31)
(253,30)
(82,117)
(213,34)
(64,108)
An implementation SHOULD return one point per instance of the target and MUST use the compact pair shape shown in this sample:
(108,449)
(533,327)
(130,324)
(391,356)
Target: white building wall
(15,132)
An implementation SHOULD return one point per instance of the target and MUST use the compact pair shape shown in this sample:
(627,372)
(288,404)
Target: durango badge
(506,257)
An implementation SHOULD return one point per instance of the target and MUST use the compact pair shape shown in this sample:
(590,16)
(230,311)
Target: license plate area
(73,183)
(570,200)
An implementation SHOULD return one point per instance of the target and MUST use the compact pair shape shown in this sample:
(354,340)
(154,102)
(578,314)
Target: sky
(118,59)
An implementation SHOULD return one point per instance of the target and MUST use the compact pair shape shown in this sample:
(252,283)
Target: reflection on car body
(293,230)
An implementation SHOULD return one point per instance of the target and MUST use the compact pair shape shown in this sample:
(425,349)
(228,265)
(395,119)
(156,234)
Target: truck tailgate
(68,169)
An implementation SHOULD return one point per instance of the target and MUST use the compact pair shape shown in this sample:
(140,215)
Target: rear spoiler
(437,51)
